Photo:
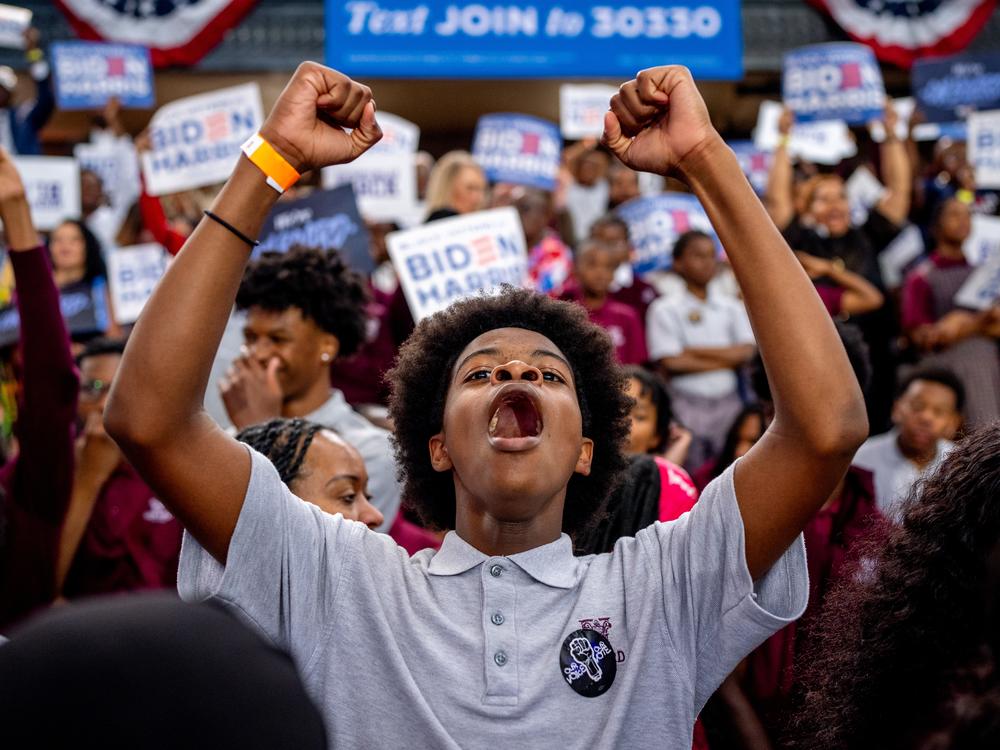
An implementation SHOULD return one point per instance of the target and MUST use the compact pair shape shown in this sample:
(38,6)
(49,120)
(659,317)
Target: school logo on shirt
(157,512)
(588,662)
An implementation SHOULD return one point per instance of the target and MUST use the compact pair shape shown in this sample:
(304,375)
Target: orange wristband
(280,174)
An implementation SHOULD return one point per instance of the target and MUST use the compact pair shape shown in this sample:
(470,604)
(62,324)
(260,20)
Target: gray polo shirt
(375,447)
(457,649)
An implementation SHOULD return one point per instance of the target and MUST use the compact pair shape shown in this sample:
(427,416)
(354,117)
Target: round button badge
(588,663)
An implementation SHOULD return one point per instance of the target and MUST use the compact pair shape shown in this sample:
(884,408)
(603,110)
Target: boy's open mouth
(515,419)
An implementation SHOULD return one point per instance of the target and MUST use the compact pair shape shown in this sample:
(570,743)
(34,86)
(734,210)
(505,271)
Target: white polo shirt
(541,649)
(684,321)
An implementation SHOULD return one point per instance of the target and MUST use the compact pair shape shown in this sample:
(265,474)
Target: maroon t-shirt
(361,377)
(639,296)
(621,322)
(132,541)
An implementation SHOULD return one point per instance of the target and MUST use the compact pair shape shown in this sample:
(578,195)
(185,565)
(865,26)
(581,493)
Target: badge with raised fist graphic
(588,663)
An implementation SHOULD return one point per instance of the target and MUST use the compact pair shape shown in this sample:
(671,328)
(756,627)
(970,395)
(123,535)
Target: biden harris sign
(535,39)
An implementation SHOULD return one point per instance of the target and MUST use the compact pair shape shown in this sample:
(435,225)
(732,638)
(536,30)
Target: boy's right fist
(307,124)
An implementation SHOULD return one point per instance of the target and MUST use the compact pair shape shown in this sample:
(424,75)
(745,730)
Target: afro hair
(420,381)
(316,282)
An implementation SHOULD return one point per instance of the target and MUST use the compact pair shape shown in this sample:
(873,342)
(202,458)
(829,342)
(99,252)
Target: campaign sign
(116,162)
(520,149)
(399,136)
(533,38)
(654,224)
(982,289)
(81,303)
(324,219)
(948,89)
(385,184)
(838,81)
(52,186)
(824,142)
(87,74)
(133,273)
(14,22)
(196,140)
(984,147)
(755,163)
(582,108)
(983,242)
(448,260)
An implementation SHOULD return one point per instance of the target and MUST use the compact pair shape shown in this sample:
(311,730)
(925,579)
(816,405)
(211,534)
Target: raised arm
(659,123)
(895,204)
(155,410)
(779,195)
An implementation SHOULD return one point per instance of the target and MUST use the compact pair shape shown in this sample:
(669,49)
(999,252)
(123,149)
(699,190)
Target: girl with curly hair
(906,653)
(510,416)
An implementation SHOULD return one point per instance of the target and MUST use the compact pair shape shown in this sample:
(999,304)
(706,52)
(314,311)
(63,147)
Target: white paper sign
(984,240)
(582,108)
(385,184)
(825,142)
(448,260)
(982,289)
(863,191)
(196,141)
(904,110)
(116,162)
(14,22)
(984,147)
(399,136)
(133,273)
(52,185)
(900,253)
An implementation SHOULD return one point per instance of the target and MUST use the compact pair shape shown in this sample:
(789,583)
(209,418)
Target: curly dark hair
(896,642)
(284,442)
(419,384)
(316,282)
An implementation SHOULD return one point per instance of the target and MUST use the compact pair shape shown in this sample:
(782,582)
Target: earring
(325,357)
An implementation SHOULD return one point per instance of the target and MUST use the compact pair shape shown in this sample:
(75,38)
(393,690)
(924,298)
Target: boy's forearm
(797,339)
(175,340)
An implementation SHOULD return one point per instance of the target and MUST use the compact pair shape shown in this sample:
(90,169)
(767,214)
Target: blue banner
(533,39)
(87,74)
(947,90)
(654,224)
(324,219)
(755,163)
(840,81)
(520,149)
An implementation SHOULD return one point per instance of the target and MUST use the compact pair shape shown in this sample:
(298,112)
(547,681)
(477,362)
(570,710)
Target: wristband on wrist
(34,55)
(280,174)
(783,140)
(965,196)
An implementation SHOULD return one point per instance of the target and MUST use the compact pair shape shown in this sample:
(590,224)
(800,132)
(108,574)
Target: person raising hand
(510,416)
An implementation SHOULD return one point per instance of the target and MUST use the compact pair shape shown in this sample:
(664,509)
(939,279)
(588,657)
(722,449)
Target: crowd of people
(581,498)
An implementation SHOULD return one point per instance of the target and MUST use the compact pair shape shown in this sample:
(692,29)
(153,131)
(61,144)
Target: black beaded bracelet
(231,228)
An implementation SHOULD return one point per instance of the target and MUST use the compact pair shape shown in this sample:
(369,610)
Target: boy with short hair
(925,417)
(594,265)
(510,416)
(627,287)
(700,339)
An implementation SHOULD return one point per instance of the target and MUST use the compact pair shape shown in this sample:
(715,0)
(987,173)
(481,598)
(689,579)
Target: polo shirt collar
(552,564)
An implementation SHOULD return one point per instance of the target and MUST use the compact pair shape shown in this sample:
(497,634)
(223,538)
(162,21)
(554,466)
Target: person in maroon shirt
(595,265)
(627,288)
(118,536)
(36,482)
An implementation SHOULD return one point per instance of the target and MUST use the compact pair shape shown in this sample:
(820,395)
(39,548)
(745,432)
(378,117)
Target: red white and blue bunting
(177,32)
(901,32)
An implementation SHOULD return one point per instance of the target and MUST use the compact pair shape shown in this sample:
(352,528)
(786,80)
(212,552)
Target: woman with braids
(906,652)
(510,415)
(316,465)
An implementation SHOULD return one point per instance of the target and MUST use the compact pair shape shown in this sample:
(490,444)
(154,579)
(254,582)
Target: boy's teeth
(493,422)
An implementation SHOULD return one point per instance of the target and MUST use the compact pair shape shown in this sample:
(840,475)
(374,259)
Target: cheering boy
(510,416)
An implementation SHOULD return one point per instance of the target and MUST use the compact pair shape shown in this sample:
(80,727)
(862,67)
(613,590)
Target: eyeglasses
(91,390)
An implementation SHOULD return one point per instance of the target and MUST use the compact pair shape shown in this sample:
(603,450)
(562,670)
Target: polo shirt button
(500,657)
(497,619)
(496,571)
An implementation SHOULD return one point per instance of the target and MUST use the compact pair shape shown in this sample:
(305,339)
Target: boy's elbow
(844,432)
(126,422)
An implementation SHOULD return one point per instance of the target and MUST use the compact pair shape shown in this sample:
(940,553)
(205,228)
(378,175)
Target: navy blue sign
(840,81)
(532,39)
(87,74)
(324,219)
(83,308)
(947,90)
(520,149)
